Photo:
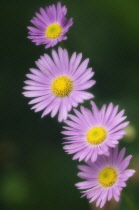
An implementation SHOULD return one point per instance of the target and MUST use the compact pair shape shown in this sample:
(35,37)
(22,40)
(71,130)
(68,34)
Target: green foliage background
(35,171)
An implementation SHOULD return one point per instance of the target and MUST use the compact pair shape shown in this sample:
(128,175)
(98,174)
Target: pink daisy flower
(92,133)
(50,25)
(105,178)
(59,83)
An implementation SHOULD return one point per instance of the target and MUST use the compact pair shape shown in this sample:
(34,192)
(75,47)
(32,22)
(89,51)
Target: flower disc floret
(96,135)
(107,176)
(62,86)
(53,31)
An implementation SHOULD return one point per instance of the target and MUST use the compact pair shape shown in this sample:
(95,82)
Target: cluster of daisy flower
(59,83)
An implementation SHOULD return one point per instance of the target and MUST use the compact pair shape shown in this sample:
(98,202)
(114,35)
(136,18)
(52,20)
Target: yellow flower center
(62,86)
(96,135)
(53,31)
(107,177)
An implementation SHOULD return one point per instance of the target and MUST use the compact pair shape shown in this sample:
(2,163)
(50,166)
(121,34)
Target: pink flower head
(105,178)
(50,25)
(59,83)
(92,133)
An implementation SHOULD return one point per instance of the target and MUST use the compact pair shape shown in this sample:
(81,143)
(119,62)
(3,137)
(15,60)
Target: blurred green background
(35,171)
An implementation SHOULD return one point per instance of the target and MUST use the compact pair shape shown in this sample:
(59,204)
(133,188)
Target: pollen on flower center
(107,176)
(53,31)
(62,86)
(96,135)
